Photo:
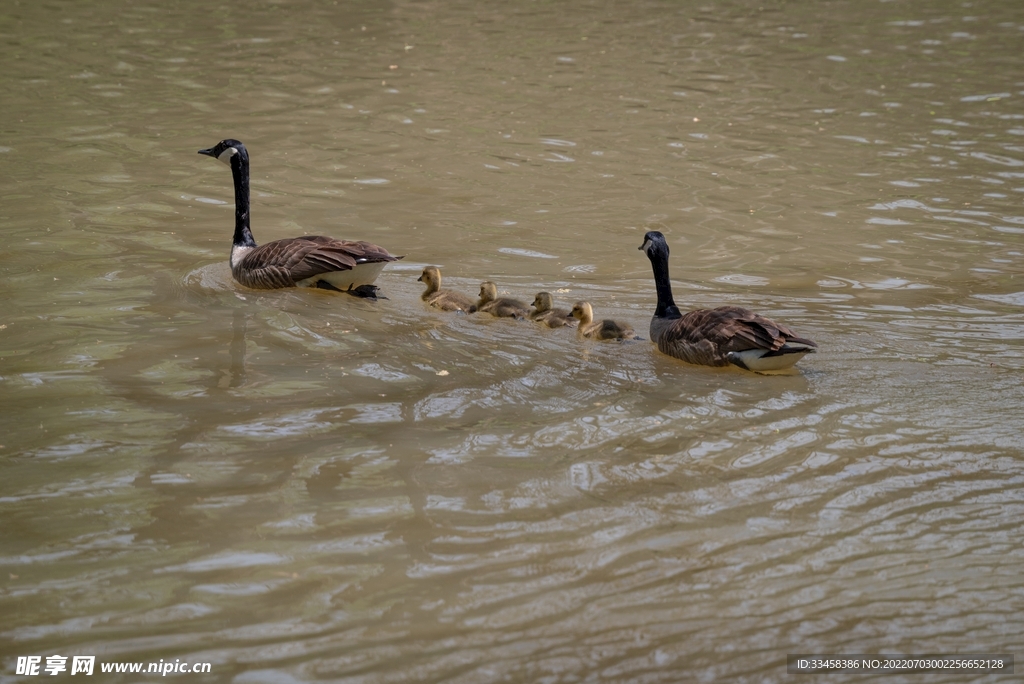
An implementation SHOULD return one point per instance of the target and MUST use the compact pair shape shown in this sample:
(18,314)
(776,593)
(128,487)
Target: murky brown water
(296,486)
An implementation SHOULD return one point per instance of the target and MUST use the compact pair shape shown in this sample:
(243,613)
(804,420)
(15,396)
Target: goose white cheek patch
(227,154)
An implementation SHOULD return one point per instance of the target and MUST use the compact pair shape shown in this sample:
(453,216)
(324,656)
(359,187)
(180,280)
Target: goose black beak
(208,152)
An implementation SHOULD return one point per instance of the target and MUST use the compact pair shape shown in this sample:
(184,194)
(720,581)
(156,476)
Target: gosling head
(225,150)
(488,291)
(583,312)
(654,242)
(431,276)
(542,301)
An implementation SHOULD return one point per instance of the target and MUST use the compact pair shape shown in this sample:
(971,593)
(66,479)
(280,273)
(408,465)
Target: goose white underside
(755,359)
(361,274)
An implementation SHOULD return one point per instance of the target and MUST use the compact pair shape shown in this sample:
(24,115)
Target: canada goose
(599,330)
(549,316)
(446,300)
(717,337)
(505,307)
(307,261)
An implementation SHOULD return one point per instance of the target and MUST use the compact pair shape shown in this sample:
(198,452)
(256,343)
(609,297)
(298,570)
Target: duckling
(717,337)
(603,330)
(445,300)
(551,317)
(308,261)
(504,307)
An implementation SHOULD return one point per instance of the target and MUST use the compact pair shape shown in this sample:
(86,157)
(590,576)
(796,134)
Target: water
(296,486)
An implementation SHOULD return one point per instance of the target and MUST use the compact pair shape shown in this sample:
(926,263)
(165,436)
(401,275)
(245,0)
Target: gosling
(548,315)
(445,300)
(503,307)
(599,330)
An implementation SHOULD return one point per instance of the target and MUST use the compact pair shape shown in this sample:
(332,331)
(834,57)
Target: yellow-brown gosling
(504,307)
(445,300)
(307,261)
(717,337)
(606,329)
(548,315)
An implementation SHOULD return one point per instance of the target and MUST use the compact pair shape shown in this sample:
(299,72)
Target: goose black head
(654,241)
(225,150)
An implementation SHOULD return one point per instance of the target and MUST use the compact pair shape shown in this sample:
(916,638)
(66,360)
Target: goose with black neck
(307,261)
(717,337)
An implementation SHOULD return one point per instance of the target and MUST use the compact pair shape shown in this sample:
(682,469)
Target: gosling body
(446,300)
(546,313)
(721,336)
(502,307)
(306,261)
(605,329)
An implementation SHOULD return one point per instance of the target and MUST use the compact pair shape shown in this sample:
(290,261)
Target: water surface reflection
(292,485)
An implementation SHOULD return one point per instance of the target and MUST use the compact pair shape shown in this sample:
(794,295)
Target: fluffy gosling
(606,329)
(445,300)
(503,307)
(548,315)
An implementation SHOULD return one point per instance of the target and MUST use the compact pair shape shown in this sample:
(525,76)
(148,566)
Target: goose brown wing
(362,252)
(765,330)
(312,255)
(269,266)
(732,329)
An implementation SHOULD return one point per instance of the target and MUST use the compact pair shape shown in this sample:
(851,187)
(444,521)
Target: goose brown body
(307,261)
(709,336)
(503,307)
(446,300)
(302,261)
(605,329)
(548,315)
(717,337)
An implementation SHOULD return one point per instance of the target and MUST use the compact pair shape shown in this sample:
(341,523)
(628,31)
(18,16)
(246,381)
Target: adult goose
(307,261)
(717,337)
